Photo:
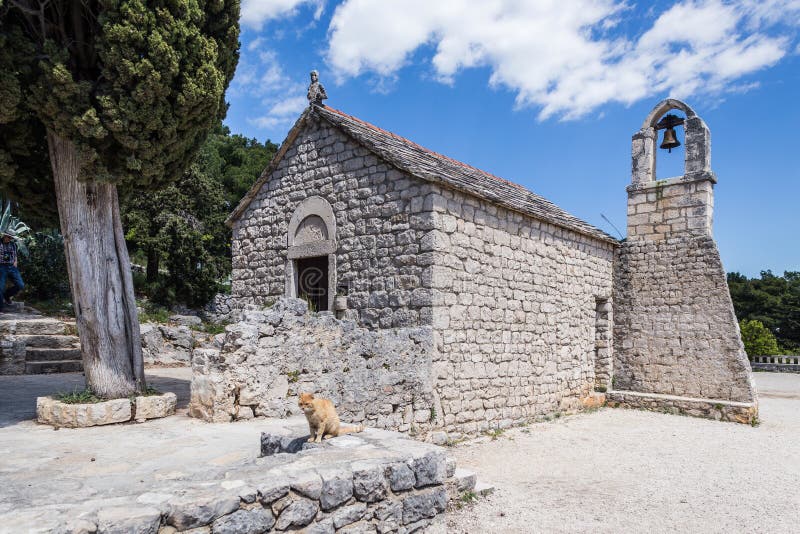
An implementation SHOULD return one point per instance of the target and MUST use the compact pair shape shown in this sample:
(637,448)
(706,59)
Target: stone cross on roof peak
(316,92)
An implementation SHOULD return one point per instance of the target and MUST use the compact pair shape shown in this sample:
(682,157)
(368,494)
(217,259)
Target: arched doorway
(311,259)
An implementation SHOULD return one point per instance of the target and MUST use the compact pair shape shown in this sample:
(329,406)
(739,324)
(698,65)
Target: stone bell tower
(676,338)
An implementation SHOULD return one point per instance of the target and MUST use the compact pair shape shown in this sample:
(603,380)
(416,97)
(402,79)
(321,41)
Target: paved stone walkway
(183,471)
(18,392)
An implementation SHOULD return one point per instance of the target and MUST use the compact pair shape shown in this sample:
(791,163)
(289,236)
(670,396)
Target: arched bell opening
(676,121)
(670,141)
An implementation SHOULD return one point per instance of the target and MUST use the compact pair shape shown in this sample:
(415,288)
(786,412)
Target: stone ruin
(448,301)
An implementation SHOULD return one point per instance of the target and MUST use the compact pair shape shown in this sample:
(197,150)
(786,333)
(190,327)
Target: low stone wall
(221,309)
(783,363)
(172,344)
(720,410)
(375,481)
(12,355)
(775,367)
(377,377)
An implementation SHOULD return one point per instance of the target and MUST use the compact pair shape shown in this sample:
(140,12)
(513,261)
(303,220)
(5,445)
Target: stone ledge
(776,367)
(377,481)
(678,180)
(154,406)
(717,409)
(50,411)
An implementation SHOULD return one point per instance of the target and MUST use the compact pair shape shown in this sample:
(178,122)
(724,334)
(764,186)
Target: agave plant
(17,227)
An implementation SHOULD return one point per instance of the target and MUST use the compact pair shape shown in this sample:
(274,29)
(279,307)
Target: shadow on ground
(18,393)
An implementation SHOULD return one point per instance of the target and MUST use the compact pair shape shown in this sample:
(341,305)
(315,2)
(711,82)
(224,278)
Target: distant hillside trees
(772,300)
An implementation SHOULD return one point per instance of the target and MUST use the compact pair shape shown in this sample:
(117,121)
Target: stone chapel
(525,310)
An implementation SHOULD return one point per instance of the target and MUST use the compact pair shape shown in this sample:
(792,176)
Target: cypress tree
(98,96)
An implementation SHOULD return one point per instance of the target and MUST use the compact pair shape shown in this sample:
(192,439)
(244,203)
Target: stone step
(40,368)
(14,307)
(483,489)
(52,341)
(51,355)
(30,325)
(465,479)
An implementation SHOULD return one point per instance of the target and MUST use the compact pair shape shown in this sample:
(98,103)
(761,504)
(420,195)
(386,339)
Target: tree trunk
(99,274)
(152,264)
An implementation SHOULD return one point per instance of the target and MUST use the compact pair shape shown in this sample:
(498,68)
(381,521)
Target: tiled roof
(428,165)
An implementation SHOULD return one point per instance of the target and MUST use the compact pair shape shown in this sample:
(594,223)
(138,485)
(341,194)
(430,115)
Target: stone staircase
(461,482)
(33,344)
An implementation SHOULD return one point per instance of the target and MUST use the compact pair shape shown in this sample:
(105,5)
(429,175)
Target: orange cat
(322,418)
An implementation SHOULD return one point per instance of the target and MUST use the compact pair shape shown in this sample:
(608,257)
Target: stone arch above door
(312,229)
(311,235)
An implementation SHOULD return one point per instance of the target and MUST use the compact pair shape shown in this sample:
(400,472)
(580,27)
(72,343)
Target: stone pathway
(187,473)
(18,392)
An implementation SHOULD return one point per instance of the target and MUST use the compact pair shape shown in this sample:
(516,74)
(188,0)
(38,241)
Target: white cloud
(566,58)
(256,12)
(261,76)
(291,106)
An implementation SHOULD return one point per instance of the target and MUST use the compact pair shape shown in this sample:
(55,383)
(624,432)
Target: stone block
(128,520)
(349,514)
(252,521)
(200,509)
(369,482)
(401,477)
(155,406)
(299,513)
(424,505)
(50,411)
(337,488)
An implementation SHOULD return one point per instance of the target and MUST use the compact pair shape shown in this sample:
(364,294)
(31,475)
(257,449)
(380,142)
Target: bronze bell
(670,139)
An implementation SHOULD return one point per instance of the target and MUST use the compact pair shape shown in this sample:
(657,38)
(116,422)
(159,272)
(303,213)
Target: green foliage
(53,307)
(150,391)
(235,161)
(136,85)
(468,497)
(757,339)
(772,300)
(45,268)
(8,222)
(211,328)
(494,433)
(152,313)
(79,396)
(180,231)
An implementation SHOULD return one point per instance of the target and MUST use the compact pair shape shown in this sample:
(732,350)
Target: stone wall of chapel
(514,313)
(380,223)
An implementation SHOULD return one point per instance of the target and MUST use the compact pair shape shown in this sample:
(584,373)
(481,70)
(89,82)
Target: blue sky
(547,93)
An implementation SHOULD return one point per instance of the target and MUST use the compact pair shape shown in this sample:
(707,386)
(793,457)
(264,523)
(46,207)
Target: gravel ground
(620,470)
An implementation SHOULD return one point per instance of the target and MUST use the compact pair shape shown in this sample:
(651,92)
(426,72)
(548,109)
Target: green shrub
(153,313)
(757,339)
(79,396)
(45,269)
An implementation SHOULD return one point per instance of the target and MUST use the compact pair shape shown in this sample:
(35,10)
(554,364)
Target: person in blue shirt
(8,267)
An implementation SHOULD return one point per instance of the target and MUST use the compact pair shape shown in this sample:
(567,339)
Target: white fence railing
(784,359)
